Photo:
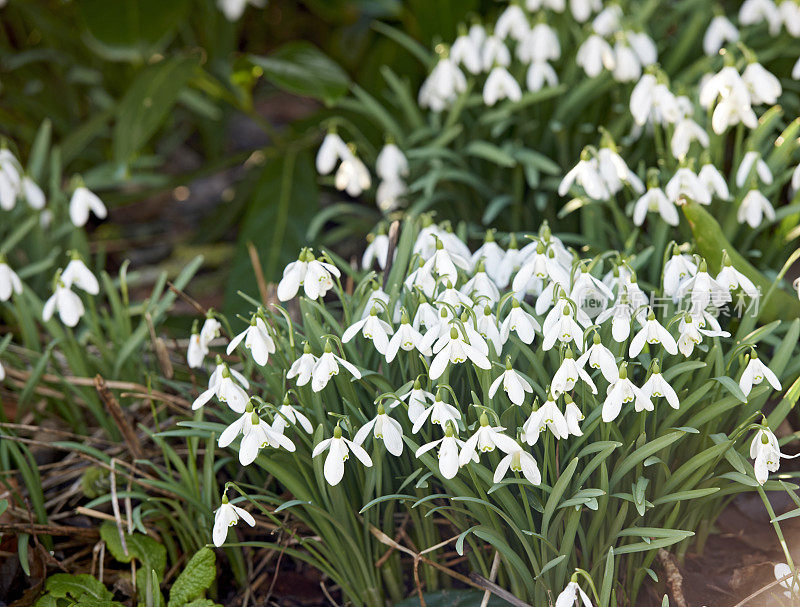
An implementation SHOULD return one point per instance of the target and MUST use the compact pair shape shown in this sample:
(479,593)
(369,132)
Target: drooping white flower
(384,428)
(540,45)
(764,87)
(514,384)
(453,348)
(303,367)
(715,183)
(332,151)
(9,281)
(512,23)
(643,98)
(677,270)
(569,596)
(377,250)
(196,351)
(82,202)
(621,392)
(518,460)
(585,174)
(448,452)
(766,452)
(704,290)
(606,22)
(594,55)
(754,373)
(481,287)
(287,414)
(657,387)
(406,337)
(313,275)
(391,164)
(733,279)
(754,208)
(520,322)
(258,435)
(568,374)
(417,400)
(548,416)
(686,131)
(734,105)
(573,416)
(485,439)
(626,63)
(445,83)
(352,176)
(554,5)
(256,339)
(582,9)
(64,301)
(753,12)
(77,274)
(227,515)
(600,357)
(719,32)
(654,200)
(589,293)
(33,193)
(542,265)
(540,73)
(327,366)
(562,327)
(439,412)
(615,171)
(488,327)
(339,449)
(222,385)
(790,15)
(373,328)
(500,85)
(442,264)
(494,53)
(11,175)
(686,184)
(466,50)
(652,332)
(752,160)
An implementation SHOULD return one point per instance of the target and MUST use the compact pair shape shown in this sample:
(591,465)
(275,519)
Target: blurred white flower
(9,281)
(64,301)
(82,202)
(752,160)
(330,153)
(77,274)
(754,208)
(234,9)
(719,32)
(753,12)
(594,55)
(654,200)
(500,85)
(764,87)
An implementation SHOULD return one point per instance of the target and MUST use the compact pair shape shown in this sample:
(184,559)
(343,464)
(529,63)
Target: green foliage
(63,589)
(191,585)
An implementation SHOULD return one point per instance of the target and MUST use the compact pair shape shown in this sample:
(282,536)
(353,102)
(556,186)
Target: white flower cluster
(524,34)
(474,312)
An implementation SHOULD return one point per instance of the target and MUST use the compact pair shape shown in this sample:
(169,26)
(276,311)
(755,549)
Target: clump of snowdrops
(514,399)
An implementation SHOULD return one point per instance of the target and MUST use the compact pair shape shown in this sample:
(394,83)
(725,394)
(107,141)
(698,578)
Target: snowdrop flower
(210,329)
(569,596)
(754,208)
(406,337)
(539,74)
(384,428)
(719,32)
(686,131)
(330,153)
(594,55)
(582,9)
(657,387)
(391,163)
(752,160)
(33,193)
(442,264)
(11,176)
(644,47)
(196,351)
(520,322)
(715,183)
(754,373)
(439,412)
(222,385)
(573,416)
(303,367)
(568,374)
(448,452)
(481,286)
(417,400)
(256,339)
(796,70)
(624,391)
(513,383)
(494,53)
(626,63)
(654,200)
(512,23)
(690,335)
(733,279)
(68,305)
(652,333)
(764,87)
(339,449)
(606,22)
(327,366)
(485,439)
(734,105)
(753,12)
(489,329)
(766,452)
(585,174)
(377,250)
(615,172)
(589,293)
(82,202)
(540,45)
(9,281)
(782,570)
(77,274)
(352,175)
(518,460)
(313,275)
(643,98)
(227,515)
(548,416)
(704,290)
(600,357)
(685,184)
(287,414)
(452,348)
(466,50)
(554,5)
(562,327)
(491,254)
(445,83)
(372,328)
(678,269)
(500,85)
(541,265)
(259,435)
